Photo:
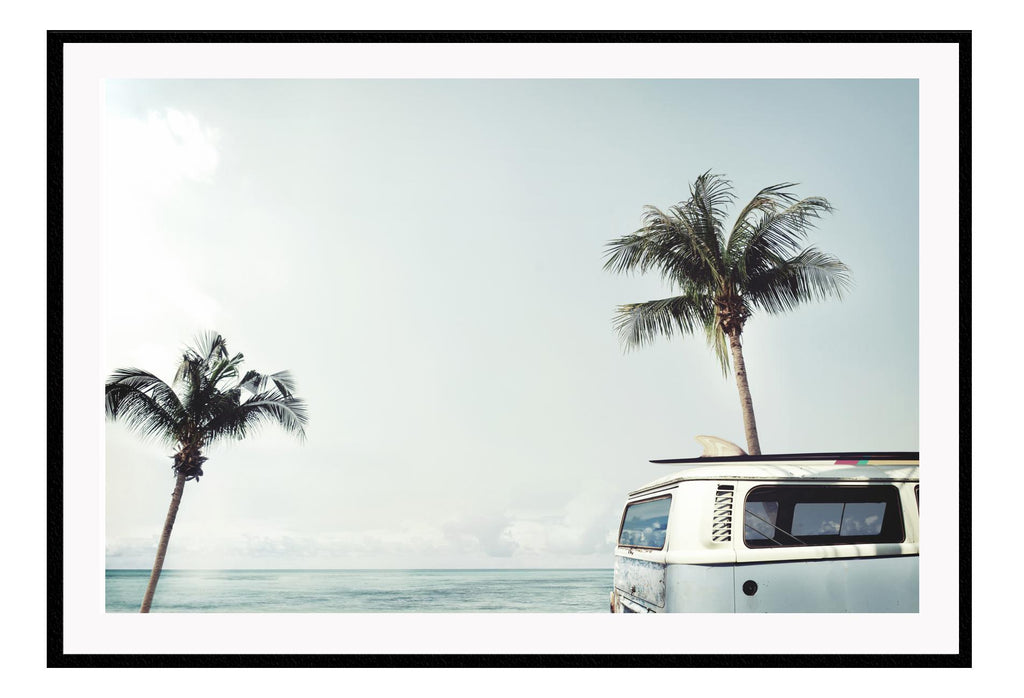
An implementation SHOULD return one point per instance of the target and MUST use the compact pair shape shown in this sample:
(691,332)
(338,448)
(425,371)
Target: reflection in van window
(822,515)
(816,519)
(862,518)
(645,523)
(838,518)
(760,522)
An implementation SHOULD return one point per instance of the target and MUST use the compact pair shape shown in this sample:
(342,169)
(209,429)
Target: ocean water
(363,591)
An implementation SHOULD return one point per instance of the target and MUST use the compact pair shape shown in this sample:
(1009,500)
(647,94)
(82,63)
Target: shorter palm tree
(216,403)
(723,278)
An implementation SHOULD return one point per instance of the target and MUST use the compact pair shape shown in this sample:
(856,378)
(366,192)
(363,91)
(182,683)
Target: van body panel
(700,588)
(641,579)
(860,585)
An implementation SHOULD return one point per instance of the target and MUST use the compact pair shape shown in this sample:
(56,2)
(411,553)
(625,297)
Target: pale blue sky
(426,258)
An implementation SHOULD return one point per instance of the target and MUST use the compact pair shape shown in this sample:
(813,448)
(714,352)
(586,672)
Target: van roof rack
(842,457)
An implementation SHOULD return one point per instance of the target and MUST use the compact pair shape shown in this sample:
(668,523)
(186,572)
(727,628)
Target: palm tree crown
(211,405)
(722,279)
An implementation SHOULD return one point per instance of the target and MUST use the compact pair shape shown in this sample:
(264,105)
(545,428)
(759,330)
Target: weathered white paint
(641,579)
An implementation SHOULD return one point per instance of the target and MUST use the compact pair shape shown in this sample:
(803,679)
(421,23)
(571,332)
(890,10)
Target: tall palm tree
(722,279)
(214,404)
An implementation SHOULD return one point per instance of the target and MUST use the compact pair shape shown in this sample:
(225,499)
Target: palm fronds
(144,403)
(670,243)
(809,275)
(638,324)
(721,279)
(254,382)
(210,406)
(268,408)
(710,194)
(776,234)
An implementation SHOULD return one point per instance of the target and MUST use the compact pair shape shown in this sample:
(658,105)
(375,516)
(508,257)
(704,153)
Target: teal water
(363,591)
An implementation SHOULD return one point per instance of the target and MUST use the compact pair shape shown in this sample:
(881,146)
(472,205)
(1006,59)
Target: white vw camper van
(790,533)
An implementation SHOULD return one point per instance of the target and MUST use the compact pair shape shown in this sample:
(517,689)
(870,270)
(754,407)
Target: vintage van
(788,533)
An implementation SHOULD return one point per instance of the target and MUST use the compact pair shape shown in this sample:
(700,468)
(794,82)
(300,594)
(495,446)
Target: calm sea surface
(363,591)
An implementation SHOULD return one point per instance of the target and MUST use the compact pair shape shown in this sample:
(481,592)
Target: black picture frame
(56,654)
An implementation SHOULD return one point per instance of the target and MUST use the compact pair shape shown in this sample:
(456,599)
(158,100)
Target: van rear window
(787,516)
(644,523)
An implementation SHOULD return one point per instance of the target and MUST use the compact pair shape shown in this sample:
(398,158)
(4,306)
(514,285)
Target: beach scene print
(414,345)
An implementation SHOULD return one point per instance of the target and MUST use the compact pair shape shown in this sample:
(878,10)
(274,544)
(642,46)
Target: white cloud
(146,161)
(489,534)
(576,536)
(151,156)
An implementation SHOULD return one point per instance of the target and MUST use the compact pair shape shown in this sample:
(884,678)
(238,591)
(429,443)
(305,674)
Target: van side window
(786,516)
(644,523)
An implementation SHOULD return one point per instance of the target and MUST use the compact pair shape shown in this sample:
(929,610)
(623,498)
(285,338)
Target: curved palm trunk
(747,405)
(161,550)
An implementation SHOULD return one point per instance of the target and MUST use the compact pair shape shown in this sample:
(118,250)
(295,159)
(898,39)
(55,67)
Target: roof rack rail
(854,457)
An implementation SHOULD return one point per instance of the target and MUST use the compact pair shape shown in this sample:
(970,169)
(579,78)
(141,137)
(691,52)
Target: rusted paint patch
(642,579)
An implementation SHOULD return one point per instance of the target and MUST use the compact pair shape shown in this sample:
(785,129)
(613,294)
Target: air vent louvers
(721,524)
